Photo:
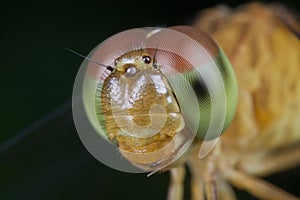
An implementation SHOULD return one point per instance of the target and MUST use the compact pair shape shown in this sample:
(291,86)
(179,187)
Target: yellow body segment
(265,54)
(262,43)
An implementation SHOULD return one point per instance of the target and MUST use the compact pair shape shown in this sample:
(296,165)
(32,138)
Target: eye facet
(147,59)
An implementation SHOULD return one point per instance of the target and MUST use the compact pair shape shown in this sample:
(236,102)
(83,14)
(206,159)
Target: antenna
(110,68)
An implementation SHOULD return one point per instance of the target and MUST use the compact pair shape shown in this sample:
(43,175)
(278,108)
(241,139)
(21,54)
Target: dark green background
(41,156)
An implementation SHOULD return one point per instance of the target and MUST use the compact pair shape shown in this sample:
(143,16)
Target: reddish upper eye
(147,59)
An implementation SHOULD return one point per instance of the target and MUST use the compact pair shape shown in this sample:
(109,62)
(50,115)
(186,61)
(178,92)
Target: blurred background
(41,155)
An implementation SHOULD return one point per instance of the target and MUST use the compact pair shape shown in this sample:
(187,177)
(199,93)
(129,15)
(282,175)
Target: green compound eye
(153,116)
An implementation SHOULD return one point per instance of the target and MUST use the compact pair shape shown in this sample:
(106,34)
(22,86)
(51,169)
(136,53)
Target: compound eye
(147,59)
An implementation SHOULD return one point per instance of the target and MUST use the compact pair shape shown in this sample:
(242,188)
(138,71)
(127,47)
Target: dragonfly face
(139,109)
(173,88)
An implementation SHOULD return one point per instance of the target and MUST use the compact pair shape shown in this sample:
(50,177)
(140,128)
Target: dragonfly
(160,98)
